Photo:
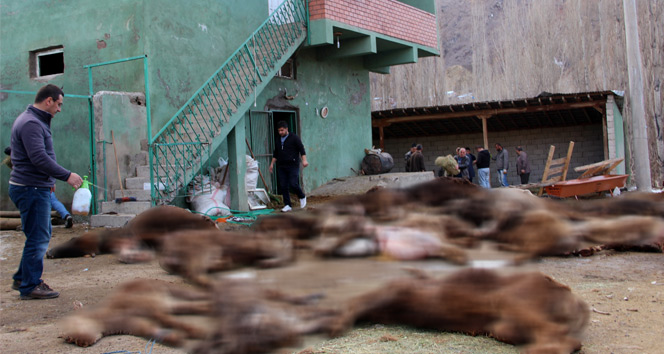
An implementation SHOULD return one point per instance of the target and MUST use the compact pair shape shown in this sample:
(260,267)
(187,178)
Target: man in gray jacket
(522,165)
(502,162)
(30,185)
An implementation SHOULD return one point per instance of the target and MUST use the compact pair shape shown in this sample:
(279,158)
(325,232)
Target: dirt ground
(625,291)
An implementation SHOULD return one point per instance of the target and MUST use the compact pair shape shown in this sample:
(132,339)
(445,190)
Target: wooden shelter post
(485,134)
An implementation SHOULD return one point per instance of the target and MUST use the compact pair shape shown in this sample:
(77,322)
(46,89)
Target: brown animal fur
(537,233)
(250,320)
(194,253)
(636,203)
(141,307)
(147,229)
(629,232)
(525,309)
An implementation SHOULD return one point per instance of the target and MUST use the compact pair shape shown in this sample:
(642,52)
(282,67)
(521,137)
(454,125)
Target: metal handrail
(180,149)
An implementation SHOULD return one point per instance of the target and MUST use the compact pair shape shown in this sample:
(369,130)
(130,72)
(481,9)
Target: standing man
(417,160)
(522,165)
(471,169)
(483,171)
(464,163)
(287,152)
(408,154)
(30,185)
(502,162)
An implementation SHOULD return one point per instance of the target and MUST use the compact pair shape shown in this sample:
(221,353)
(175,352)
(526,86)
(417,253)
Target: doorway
(262,134)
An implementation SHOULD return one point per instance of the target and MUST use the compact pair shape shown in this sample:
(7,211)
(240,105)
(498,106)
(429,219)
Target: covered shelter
(507,119)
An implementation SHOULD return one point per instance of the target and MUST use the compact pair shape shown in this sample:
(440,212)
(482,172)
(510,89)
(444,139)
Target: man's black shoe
(16,284)
(69,222)
(41,291)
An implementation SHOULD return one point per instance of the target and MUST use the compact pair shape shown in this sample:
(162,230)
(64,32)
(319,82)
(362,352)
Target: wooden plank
(556,170)
(560,161)
(545,174)
(16,214)
(569,157)
(9,223)
(598,164)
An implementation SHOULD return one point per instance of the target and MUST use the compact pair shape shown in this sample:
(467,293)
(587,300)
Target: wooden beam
(489,112)
(545,174)
(485,134)
(381,134)
(569,157)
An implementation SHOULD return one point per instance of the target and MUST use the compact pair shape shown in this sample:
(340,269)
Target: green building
(178,84)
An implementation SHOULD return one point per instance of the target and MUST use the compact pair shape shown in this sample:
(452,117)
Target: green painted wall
(335,144)
(186,41)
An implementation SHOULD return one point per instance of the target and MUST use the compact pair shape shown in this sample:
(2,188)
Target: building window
(288,70)
(47,62)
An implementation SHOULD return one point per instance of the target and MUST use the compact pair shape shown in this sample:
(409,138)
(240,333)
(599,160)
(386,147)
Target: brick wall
(388,17)
(588,148)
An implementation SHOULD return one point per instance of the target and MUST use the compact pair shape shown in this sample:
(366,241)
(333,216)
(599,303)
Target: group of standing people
(467,163)
(502,165)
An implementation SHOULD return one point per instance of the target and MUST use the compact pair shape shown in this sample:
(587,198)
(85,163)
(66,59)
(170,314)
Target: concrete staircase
(114,214)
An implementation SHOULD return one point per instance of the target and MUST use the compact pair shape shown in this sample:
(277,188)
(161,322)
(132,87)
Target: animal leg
(367,303)
(453,254)
(172,322)
(143,327)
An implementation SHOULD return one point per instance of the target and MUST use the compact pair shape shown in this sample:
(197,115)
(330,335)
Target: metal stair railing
(179,151)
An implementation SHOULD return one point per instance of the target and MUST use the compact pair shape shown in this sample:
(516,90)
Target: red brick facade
(388,17)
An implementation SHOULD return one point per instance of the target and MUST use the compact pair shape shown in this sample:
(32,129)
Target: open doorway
(262,135)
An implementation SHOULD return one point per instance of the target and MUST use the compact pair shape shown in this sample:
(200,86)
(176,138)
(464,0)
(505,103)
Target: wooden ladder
(555,170)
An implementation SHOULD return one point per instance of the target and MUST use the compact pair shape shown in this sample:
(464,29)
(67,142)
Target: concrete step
(140,194)
(136,182)
(125,208)
(143,171)
(110,220)
(140,159)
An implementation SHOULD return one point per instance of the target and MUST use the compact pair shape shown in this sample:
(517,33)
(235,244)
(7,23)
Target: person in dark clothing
(471,169)
(287,152)
(408,154)
(522,165)
(483,171)
(417,160)
(31,182)
(502,161)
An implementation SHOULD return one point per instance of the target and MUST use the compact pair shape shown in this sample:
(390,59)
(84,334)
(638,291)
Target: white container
(81,203)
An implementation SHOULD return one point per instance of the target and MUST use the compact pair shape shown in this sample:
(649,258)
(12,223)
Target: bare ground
(626,291)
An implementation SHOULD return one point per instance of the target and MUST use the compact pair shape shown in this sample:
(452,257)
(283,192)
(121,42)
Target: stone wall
(587,139)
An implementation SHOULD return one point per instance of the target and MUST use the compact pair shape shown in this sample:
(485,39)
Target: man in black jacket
(483,161)
(287,152)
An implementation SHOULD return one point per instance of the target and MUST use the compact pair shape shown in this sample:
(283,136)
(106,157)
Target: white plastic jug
(82,199)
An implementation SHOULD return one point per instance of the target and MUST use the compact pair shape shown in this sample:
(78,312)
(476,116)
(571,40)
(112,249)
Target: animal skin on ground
(628,232)
(195,253)
(528,309)
(232,316)
(415,237)
(133,242)
(142,307)
(248,320)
